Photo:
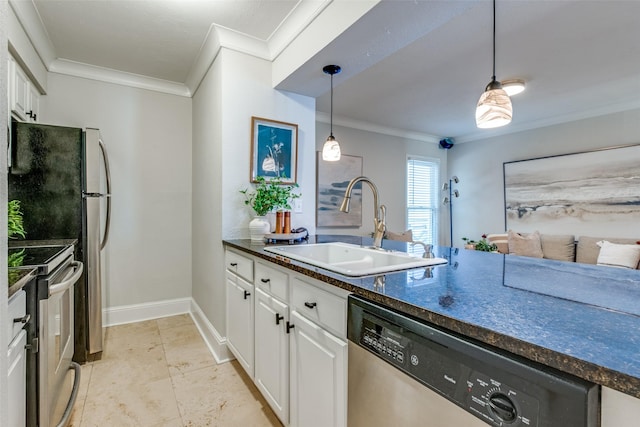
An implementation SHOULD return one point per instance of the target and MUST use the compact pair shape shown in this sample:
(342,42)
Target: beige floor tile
(134,330)
(141,405)
(130,367)
(119,344)
(160,373)
(219,396)
(180,335)
(185,349)
(173,321)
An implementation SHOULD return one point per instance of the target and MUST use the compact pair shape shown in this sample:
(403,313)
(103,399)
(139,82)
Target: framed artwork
(594,193)
(274,150)
(332,181)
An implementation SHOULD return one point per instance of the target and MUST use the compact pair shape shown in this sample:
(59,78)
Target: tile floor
(160,373)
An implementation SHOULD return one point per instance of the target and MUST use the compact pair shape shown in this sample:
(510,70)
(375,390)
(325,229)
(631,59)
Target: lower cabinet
(272,353)
(240,324)
(288,332)
(318,376)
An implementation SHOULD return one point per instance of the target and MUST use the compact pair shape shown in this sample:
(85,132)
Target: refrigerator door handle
(107,225)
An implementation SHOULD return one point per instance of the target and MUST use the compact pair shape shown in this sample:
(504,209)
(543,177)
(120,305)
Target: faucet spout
(379,213)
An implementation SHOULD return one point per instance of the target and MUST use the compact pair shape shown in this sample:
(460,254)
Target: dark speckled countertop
(580,319)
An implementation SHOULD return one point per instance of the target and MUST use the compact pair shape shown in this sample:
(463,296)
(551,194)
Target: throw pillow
(614,255)
(525,245)
(501,241)
(561,247)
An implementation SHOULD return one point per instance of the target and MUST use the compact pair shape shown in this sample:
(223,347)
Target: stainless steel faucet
(379,214)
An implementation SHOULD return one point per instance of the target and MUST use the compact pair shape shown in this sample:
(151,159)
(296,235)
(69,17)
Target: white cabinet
(318,376)
(23,96)
(298,356)
(240,310)
(272,352)
(17,380)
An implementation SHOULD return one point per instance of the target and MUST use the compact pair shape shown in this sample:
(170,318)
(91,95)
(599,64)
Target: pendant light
(494,107)
(331,148)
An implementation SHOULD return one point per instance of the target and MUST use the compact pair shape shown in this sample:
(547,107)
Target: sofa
(614,252)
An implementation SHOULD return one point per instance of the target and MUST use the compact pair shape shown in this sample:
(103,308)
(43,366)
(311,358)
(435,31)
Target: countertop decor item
(274,150)
(480,245)
(268,196)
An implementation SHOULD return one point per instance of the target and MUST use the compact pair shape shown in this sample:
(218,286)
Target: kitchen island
(507,302)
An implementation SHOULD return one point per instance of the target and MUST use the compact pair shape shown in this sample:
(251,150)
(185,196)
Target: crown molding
(305,12)
(218,37)
(92,72)
(370,127)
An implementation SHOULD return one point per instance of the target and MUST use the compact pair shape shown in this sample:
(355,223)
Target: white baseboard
(216,343)
(147,311)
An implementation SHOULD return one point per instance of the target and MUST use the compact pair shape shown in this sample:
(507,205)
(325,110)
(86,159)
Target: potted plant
(481,245)
(15,228)
(268,196)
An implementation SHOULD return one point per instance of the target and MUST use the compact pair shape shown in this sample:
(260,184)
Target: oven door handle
(66,284)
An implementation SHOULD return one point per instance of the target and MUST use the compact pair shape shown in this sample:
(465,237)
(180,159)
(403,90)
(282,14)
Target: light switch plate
(297,205)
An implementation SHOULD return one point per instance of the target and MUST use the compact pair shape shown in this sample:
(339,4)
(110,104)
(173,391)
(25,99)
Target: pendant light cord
(493,77)
(331,119)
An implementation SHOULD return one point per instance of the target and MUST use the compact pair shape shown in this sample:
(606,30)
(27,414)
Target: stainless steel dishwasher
(404,372)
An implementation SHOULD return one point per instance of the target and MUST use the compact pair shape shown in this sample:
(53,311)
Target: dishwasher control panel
(500,389)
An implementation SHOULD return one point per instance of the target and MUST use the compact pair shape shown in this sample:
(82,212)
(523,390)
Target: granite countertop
(578,318)
(18,278)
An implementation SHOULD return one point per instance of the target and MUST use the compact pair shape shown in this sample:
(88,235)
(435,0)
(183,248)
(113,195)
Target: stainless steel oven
(52,378)
(55,333)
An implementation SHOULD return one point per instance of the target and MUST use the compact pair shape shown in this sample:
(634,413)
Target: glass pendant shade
(494,107)
(331,150)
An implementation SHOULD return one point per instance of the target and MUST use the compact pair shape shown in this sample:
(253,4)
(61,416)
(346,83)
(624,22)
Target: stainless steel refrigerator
(61,177)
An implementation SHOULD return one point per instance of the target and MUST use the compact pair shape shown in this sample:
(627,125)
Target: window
(422,198)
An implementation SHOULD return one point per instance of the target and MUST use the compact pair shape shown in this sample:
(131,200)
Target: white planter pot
(258,227)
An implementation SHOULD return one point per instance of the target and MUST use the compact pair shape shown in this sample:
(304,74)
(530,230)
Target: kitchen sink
(352,260)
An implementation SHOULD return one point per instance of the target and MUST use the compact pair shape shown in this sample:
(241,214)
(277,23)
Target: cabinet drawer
(320,306)
(272,281)
(17,309)
(239,264)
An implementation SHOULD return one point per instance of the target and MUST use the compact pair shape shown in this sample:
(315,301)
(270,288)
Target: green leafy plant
(270,195)
(481,245)
(15,225)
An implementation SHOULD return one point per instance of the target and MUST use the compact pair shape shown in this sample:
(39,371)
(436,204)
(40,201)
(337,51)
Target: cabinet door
(33,104)
(272,353)
(17,381)
(19,93)
(318,376)
(240,321)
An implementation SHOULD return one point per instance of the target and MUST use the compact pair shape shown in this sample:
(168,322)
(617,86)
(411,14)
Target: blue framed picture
(274,150)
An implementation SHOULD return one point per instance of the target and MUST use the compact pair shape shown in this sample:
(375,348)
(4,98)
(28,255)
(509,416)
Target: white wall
(4,398)
(384,161)
(478,164)
(148,137)
(237,87)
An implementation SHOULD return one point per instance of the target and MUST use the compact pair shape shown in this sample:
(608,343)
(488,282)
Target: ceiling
(414,66)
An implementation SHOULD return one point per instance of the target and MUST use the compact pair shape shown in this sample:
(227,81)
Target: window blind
(422,199)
